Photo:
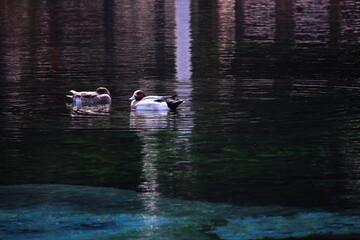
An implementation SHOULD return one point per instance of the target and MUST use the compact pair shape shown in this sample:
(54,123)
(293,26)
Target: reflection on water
(78,110)
(183,44)
(158,150)
(270,117)
(150,174)
(150,125)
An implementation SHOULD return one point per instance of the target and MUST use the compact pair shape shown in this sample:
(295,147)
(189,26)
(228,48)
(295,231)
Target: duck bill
(132,98)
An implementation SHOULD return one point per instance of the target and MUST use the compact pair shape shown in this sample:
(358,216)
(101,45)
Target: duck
(153,103)
(100,96)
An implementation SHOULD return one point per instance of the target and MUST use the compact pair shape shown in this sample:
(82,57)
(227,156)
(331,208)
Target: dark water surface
(271,116)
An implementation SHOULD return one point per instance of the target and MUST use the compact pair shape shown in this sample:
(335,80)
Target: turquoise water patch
(80,212)
(60,223)
(299,225)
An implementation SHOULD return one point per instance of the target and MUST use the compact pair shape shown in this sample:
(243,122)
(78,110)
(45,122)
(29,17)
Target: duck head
(138,95)
(102,90)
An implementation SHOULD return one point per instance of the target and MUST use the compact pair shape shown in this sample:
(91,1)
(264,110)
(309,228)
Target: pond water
(268,135)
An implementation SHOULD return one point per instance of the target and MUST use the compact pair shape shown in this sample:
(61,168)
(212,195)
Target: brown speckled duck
(100,96)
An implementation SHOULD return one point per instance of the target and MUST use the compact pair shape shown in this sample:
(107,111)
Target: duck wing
(171,101)
(160,98)
(83,94)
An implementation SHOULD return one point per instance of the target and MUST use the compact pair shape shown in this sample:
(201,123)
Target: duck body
(100,96)
(141,102)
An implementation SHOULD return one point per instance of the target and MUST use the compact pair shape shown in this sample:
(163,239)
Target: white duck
(153,103)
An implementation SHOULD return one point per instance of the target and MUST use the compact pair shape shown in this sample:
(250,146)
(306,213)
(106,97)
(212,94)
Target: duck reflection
(152,121)
(165,138)
(78,110)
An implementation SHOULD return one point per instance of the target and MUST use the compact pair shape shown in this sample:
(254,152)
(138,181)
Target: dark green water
(271,114)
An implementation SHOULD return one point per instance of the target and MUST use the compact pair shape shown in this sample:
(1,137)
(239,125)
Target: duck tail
(174,104)
(73,94)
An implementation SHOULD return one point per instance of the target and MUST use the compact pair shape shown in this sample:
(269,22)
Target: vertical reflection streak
(226,19)
(149,176)
(184,67)
(226,42)
(149,173)
(157,122)
(183,47)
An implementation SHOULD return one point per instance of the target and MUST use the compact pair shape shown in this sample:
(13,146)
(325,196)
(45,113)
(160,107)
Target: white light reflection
(150,124)
(152,129)
(183,49)
(149,175)
(183,64)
